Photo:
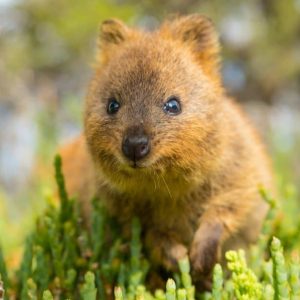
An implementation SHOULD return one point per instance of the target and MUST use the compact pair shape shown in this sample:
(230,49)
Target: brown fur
(197,191)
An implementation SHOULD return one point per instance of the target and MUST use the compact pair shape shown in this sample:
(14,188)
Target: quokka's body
(164,143)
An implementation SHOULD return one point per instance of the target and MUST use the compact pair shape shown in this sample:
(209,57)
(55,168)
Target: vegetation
(64,260)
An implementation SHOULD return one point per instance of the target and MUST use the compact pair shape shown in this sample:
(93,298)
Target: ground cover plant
(64,260)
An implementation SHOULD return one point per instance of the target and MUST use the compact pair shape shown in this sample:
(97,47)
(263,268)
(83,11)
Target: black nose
(135,147)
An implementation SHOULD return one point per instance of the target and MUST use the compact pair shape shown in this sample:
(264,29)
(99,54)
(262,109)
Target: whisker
(153,171)
(167,187)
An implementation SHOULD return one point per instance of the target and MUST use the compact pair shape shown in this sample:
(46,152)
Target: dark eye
(172,106)
(112,106)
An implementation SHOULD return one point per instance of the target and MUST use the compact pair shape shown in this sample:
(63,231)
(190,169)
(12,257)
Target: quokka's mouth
(137,165)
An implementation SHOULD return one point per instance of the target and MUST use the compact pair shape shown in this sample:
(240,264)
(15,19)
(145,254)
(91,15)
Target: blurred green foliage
(56,34)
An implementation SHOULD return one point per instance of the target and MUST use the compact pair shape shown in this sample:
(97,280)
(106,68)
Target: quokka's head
(153,103)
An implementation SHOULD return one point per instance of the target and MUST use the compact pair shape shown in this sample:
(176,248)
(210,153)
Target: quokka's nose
(135,147)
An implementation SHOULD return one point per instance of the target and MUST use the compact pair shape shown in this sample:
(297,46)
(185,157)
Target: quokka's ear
(113,32)
(198,33)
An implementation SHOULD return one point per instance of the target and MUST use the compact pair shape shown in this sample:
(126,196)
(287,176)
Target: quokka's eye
(112,106)
(172,106)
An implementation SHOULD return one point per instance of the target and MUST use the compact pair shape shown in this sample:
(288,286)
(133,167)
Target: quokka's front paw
(165,251)
(205,250)
(175,253)
(169,255)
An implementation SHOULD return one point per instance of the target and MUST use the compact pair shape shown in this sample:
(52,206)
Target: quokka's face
(151,108)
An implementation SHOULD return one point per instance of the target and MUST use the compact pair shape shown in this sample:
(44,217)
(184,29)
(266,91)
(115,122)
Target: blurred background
(47,49)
